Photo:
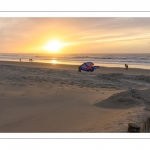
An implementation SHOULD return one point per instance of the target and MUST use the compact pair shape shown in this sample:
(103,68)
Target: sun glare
(54,61)
(54,46)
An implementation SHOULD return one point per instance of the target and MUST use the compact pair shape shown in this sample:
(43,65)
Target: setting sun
(54,46)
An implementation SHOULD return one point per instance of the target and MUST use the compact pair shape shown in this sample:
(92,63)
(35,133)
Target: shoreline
(136,64)
(75,67)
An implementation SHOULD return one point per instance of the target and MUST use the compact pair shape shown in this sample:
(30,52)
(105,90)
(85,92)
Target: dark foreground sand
(36,97)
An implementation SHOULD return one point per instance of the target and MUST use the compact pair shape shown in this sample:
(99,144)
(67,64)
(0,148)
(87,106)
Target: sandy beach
(38,97)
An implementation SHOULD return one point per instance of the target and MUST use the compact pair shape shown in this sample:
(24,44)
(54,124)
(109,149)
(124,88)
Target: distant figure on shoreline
(126,66)
(30,60)
(79,68)
(20,60)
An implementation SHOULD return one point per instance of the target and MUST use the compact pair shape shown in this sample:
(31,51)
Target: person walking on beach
(20,60)
(79,69)
(126,66)
(30,60)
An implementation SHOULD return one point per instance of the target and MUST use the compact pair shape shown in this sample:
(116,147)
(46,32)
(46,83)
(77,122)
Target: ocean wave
(79,58)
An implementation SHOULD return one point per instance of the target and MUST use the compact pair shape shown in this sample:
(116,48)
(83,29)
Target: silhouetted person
(126,66)
(79,68)
(30,60)
(20,60)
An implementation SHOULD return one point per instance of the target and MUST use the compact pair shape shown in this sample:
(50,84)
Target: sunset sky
(74,35)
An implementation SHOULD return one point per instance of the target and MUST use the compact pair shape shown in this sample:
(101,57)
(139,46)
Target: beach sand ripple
(122,100)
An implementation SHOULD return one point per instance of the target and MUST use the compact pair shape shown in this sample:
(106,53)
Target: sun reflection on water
(54,61)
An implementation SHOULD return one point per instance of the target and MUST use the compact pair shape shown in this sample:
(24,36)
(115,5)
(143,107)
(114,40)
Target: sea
(107,60)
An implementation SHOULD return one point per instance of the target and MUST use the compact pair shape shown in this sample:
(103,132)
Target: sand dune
(38,97)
